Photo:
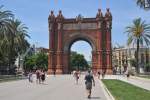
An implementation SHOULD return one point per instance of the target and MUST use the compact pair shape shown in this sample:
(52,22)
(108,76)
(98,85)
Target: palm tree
(143,4)
(13,36)
(5,16)
(17,43)
(138,33)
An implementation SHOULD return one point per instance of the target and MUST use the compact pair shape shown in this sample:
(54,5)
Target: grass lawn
(125,91)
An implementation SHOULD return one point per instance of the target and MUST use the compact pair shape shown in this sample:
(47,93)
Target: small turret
(60,17)
(108,19)
(51,17)
(99,14)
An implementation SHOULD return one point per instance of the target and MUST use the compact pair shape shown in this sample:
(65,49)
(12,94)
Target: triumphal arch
(63,32)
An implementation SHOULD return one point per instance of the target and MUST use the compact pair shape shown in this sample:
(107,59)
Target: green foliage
(13,36)
(142,4)
(139,34)
(36,61)
(42,61)
(147,67)
(133,62)
(125,91)
(139,31)
(78,61)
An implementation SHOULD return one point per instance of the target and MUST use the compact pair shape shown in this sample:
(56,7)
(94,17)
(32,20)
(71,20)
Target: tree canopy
(139,34)
(145,4)
(13,38)
(36,61)
(78,61)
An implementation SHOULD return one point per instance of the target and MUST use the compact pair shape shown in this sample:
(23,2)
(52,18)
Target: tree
(133,62)
(5,16)
(138,33)
(13,34)
(42,61)
(36,61)
(78,61)
(145,4)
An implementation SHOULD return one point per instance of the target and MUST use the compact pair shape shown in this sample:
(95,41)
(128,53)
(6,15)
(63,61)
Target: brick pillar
(108,26)
(99,51)
(108,52)
(94,61)
(66,68)
(59,66)
(99,18)
(51,68)
(51,21)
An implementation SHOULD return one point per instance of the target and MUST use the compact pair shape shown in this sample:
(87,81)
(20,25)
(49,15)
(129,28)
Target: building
(63,32)
(123,56)
(41,50)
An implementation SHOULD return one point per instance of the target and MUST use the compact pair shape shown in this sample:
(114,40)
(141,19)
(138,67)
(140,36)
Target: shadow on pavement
(95,98)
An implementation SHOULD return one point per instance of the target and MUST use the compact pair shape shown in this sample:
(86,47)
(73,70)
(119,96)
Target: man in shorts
(89,80)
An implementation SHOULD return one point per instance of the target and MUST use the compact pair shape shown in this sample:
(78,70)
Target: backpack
(88,78)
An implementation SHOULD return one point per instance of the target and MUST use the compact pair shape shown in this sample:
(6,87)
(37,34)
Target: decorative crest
(108,13)
(52,17)
(99,14)
(60,17)
(79,18)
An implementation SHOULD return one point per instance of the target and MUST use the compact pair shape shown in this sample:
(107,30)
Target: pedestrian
(89,80)
(38,76)
(43,76)
(30,77)
(128,75)
(54,73)
(98,73)
(76,76)
(103,74)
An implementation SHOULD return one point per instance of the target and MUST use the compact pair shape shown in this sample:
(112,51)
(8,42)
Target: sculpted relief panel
(80,26)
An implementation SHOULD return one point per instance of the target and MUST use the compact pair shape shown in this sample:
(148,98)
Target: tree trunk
(137,57)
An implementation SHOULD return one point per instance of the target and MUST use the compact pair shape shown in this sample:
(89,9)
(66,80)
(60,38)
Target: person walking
(43,76)
(30,77)
(76,75)
(89,80)
(38,76)
(103,74)
(98,73)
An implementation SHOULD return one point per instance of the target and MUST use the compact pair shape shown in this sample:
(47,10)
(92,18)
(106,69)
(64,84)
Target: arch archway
(64,32)
(83,49)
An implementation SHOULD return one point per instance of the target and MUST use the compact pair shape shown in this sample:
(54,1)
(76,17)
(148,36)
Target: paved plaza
(61,87)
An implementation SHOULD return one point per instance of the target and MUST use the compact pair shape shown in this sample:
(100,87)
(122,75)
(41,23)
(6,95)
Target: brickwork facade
(64,32)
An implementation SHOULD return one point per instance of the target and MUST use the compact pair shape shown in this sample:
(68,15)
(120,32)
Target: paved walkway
(61,87)
(140,82)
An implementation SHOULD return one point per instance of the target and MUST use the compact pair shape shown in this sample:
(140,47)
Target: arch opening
(80,55)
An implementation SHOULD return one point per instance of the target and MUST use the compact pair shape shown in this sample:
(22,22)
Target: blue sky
(34,14)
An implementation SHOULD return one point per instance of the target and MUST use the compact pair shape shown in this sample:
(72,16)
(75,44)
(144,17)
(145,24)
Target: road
(61,87)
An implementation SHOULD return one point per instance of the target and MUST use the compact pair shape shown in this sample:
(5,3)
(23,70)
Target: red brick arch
(64,32)
(76,37)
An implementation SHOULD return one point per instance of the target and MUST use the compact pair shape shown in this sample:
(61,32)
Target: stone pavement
(61,87)
(140,82)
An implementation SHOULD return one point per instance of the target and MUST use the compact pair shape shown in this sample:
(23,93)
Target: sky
(34,14)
